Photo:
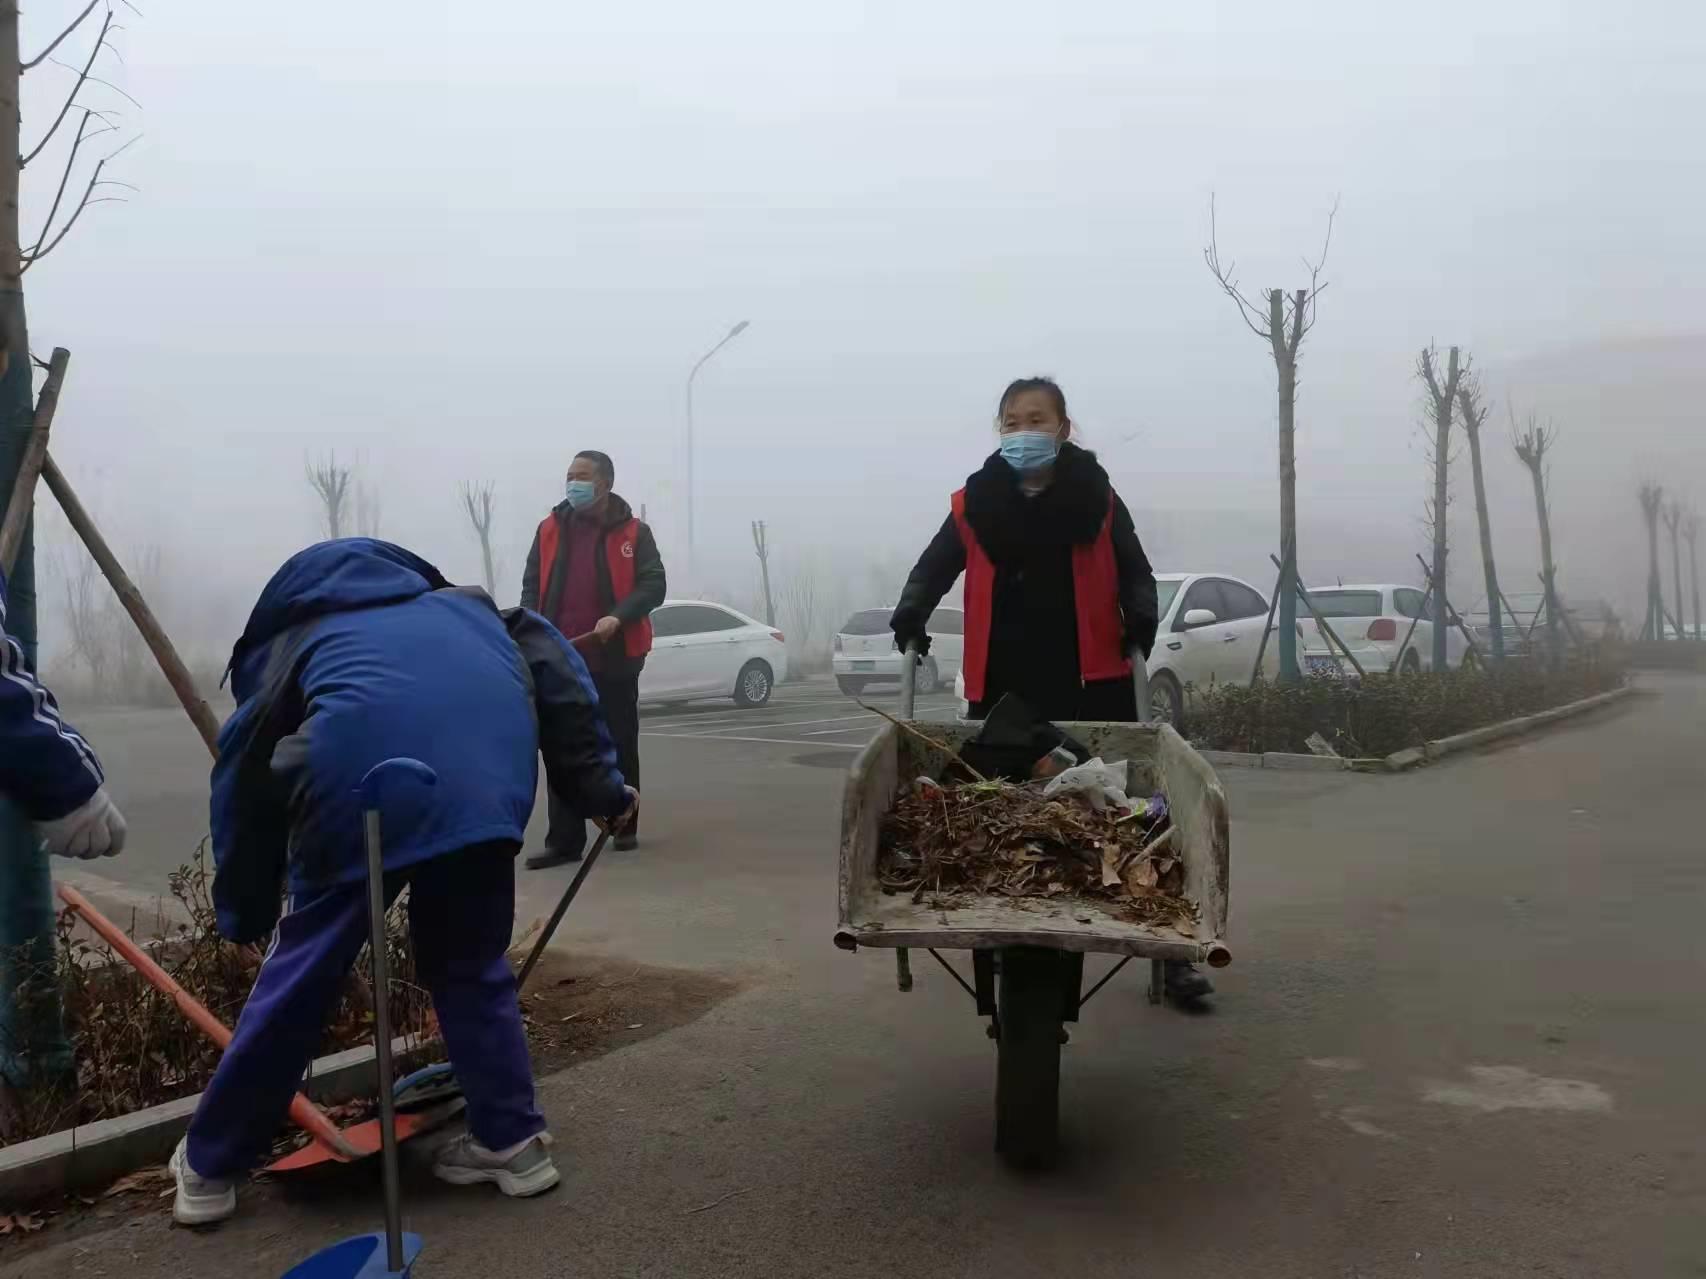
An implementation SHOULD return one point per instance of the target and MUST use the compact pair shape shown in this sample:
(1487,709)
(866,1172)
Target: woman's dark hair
(1047,385)
(602,461)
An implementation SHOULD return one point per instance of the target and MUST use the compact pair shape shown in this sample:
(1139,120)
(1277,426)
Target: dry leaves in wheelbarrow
(1004,839)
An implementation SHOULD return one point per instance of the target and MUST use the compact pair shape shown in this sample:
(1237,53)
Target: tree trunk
(1546,570)
(1694,571)
(1495,620)
(1676,569)
(486,558)
(1443,406)
(1655,592)
(32,1039)
(1286,364)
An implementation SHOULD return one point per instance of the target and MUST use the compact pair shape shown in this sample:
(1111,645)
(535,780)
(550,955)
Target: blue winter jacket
(46,768)
(358,651)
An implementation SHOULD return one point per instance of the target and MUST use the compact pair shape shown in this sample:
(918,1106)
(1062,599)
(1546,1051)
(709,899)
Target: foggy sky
(465,241)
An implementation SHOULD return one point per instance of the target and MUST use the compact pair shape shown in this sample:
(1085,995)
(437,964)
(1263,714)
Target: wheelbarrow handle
(1140,686)
(303,1113)
(909,680)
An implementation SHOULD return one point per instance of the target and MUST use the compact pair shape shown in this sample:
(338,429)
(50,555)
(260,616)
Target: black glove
(905,635)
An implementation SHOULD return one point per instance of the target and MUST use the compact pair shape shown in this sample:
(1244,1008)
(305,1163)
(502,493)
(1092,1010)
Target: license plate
(1322,666)
(864,666)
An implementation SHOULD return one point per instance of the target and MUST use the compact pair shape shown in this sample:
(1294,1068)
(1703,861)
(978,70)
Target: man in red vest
(595,573)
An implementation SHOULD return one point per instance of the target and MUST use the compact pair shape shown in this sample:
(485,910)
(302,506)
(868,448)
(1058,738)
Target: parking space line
(793,723)
(773,741)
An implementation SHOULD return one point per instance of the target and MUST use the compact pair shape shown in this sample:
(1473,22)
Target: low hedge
(1387,713)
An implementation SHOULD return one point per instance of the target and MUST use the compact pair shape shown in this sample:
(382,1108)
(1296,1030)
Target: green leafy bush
(1387,713)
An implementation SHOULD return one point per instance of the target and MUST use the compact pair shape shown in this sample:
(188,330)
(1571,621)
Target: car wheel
(850,685)
(1412,663)
(929,677)
(1166,700)
(753,685)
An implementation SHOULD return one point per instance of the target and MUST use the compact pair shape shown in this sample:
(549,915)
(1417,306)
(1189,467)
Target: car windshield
(1347,603)
(872,621)
(1164,593)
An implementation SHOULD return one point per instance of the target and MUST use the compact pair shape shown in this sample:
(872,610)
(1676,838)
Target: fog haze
(462,242)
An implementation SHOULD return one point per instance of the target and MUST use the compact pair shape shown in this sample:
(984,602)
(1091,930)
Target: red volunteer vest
(1096,600)
(619,543)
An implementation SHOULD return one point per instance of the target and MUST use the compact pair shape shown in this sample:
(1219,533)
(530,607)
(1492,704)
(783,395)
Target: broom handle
(303,1113)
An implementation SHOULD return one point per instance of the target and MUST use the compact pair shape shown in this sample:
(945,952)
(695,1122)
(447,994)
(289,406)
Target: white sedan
(701,649)
(1382,625)
(1210,632)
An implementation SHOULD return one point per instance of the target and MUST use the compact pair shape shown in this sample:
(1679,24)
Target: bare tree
(1474,411)
(761,544)
(331,484)
(1691,535)
(1652,500)
(478,503)
(1673,522)
(1282,320)
(1442,404)
(1532,442)
(32,1041)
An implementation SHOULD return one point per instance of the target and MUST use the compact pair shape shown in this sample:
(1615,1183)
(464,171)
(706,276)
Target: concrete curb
(1446,746)
(94,1154)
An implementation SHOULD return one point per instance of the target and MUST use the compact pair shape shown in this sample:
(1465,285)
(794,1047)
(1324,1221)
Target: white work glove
(94,830)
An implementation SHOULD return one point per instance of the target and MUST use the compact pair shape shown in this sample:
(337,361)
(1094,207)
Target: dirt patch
(579,1007)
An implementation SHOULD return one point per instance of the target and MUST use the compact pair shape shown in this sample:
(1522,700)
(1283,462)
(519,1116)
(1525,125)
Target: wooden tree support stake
(171,665)
(22,502)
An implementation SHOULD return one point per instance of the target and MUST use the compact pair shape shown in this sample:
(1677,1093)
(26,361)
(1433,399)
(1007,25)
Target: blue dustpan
(362,1257)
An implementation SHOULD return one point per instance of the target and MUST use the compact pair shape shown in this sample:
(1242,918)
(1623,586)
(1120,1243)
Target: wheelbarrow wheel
(1027,1072)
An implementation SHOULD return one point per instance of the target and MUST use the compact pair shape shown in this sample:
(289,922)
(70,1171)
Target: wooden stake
(171,665)
(18,510)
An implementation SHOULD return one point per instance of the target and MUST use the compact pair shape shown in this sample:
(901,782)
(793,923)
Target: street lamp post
(728,337)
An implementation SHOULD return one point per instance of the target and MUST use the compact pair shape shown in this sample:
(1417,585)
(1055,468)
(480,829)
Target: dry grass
(131,1045)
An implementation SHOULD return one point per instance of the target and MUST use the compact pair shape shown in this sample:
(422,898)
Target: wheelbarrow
(1027,955)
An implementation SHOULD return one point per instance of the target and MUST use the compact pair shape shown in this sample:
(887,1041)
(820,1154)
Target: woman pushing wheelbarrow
(1059,595)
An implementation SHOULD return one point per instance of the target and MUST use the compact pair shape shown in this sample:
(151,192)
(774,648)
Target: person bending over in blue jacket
(358,651)
(46,768)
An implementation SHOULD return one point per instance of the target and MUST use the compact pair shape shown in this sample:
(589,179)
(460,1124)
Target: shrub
(1386,713)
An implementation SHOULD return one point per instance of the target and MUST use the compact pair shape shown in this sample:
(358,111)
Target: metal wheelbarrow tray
(1160,760)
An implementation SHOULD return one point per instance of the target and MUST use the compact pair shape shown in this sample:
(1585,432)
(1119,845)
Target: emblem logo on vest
(627,550)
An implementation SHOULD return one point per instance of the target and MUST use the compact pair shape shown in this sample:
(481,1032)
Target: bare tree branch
(60,38)
(71,98)
(65,176)
(1227,278)
(89,197)
(105,84)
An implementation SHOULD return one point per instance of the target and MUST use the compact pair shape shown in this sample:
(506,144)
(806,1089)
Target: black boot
(546,858)
(1184,985)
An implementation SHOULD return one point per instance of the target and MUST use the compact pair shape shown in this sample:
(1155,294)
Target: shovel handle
(303,1113)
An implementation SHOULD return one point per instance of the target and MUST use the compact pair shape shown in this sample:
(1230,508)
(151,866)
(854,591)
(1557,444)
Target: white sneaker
(522,1170)
(200,1201)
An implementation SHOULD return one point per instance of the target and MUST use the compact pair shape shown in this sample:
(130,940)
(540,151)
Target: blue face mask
(1029,450)
(580,493)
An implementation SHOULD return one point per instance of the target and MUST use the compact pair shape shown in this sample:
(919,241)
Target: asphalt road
(1462,1038)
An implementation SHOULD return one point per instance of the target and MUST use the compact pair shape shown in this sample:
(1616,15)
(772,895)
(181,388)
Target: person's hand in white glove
(95,830)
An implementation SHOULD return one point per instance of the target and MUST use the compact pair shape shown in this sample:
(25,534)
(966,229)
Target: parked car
(1211,628)
(701,649)
(1374,622)
(865,652)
